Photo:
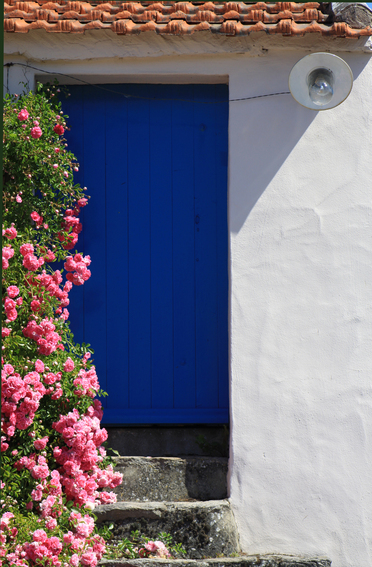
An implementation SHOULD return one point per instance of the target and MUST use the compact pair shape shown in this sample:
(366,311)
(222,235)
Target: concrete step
(242,561)
(165,479)
(203,528)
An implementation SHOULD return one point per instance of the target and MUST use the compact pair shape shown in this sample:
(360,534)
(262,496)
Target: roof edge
(357,15)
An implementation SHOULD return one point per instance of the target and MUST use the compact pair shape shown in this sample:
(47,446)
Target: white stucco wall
(300,220)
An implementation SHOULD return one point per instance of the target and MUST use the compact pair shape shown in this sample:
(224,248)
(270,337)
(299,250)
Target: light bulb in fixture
(320,82)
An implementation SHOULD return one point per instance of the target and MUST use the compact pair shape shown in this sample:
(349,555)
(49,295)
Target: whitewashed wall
(300,218)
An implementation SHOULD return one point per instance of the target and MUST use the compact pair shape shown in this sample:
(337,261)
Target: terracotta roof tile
(176,18)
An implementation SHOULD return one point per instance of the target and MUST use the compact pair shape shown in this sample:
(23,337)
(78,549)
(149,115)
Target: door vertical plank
(183,249)
(117,249)
(95,242)
(161,248)
(139,250)
(206,251)
(221,161)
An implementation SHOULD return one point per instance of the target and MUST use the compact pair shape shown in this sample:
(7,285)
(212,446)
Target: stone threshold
(241,561)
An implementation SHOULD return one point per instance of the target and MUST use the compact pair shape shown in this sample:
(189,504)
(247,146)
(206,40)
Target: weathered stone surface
(204,528)
(172,441)
(242,561)
(159,479)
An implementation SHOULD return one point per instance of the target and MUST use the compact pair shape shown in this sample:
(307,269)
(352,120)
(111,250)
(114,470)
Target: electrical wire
(135,96)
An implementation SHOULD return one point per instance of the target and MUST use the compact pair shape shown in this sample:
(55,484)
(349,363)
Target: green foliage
(28,165)
(134,547)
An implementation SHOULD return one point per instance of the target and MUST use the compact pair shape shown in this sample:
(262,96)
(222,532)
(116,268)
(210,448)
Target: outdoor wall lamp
(320,81)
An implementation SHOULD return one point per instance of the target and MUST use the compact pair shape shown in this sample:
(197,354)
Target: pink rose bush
(54,467)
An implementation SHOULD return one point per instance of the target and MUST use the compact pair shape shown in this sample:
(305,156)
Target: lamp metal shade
(306,68)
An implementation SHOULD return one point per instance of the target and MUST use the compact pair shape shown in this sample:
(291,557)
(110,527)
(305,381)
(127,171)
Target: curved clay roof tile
(231,15)
(254,16)
(206,16)
(186,7)
(184,17)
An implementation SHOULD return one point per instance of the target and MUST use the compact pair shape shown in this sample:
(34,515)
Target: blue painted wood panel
(154,159)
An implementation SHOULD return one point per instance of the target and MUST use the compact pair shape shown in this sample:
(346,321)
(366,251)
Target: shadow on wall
(263,132)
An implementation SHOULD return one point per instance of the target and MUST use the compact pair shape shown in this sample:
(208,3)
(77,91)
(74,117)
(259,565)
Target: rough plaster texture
(300,210)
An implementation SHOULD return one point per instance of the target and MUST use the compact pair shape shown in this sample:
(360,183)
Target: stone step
(203,528)
(242,561)
(165,479)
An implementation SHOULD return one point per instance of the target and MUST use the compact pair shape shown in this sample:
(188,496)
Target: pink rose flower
(19,199)
(59,129)
(40,472)
(12,314)
(8,252)
(10,233)
(151,546)
(26,249)
(40,444)
(37,218)
(69,365)
(57,394)
(70,264)
(12,291)
(49,256)
(39,366)
(51,524)
(68,241)
(40,535)
(5,519)
(35,305)
(9,304)
(36,132)
(31,262)
(89,559)
(8,369)
(23,114)
(50,378)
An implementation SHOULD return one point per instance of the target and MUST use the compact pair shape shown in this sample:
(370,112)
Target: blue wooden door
(154,159)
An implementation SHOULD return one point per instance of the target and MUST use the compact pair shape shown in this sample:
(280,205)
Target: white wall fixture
(320,81)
